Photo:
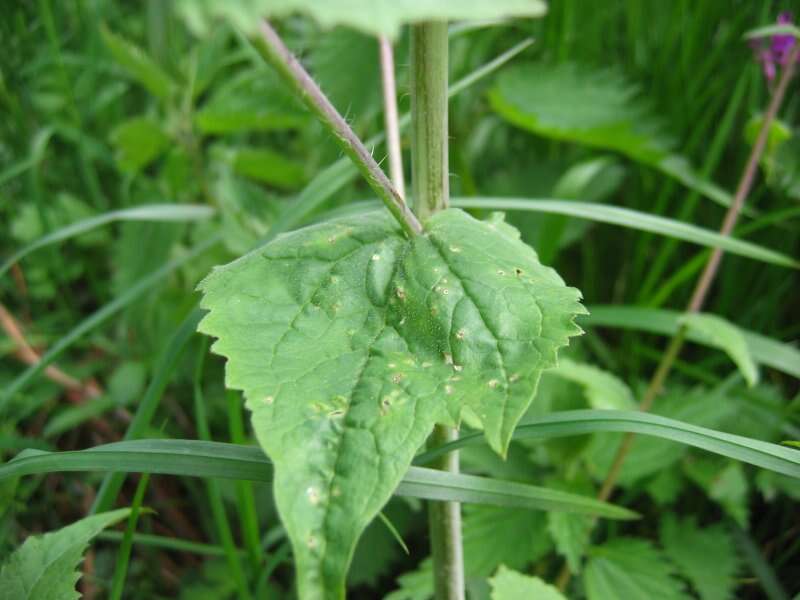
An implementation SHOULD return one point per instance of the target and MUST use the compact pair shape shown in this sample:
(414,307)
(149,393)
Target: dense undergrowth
(175,149)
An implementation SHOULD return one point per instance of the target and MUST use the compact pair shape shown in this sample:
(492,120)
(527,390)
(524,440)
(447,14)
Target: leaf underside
(383,17)
(350,342)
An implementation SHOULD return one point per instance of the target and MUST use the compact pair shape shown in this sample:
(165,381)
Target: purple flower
(777,51)
(782,43)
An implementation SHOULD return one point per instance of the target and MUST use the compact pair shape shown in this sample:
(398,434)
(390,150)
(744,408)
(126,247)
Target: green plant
(379,352)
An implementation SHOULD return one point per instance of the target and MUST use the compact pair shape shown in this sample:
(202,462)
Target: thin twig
(390,116)
(703,285)
(29,356)
(287,65)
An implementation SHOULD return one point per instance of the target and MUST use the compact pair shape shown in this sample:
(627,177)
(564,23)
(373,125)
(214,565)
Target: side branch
(287,65)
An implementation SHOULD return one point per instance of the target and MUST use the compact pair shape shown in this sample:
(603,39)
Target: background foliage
(637,104)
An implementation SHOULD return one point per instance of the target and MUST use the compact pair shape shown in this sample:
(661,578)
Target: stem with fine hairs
(429,167)
(289,68)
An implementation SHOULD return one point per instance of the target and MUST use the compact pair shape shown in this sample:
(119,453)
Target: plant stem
(703,284)
(390,118)
(429,166)
(287,65)
(444,525)
(429,162)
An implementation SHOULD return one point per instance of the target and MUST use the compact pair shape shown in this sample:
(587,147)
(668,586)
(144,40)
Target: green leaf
(384,17)
(252,101)
(724,482)
(718,332)
(44,567)
(770,30)
(416,584)
(195,458)
(625,568)
(146,212)
(350,342)
(138,64)
(571,533)
(625,217)
(511,585)
(595,107)
(138,142)
(491,537)
(698,406)
(705,555)
(576,422)
(499,535)
(347,51)
(762,349)
(602,389)
(270,167)
(72,416)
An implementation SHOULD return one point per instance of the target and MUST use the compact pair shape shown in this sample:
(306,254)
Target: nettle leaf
(44,567)
(498,535)
(138,142)
(350,342)
(721,333)
(511,585)
(597,108)
(492,537)
(138,64)
(251,100)
(603,390)
(706,556)
(381,17)
(724,482)
(625,568)
(571,532)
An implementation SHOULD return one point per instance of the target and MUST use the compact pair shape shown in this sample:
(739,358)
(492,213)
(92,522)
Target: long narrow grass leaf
(231,461)
(769,456)
(149,212)
(625,217)
(764,350)
(99,317)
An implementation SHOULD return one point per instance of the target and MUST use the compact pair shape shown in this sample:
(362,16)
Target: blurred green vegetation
(109,106)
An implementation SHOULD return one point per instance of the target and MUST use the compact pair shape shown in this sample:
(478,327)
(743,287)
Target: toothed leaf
(350,342)
(44,567)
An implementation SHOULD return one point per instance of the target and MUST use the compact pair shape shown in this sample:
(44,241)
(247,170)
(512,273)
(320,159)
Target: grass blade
(625,217)
(231,461)
(124,553)
(148,212)
(99,317)
(576,422)
(145,410)
(763,349)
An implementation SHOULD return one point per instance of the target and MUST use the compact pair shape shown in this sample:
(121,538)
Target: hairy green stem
(429,161)
(703,284)
(429,167)
(289,68)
